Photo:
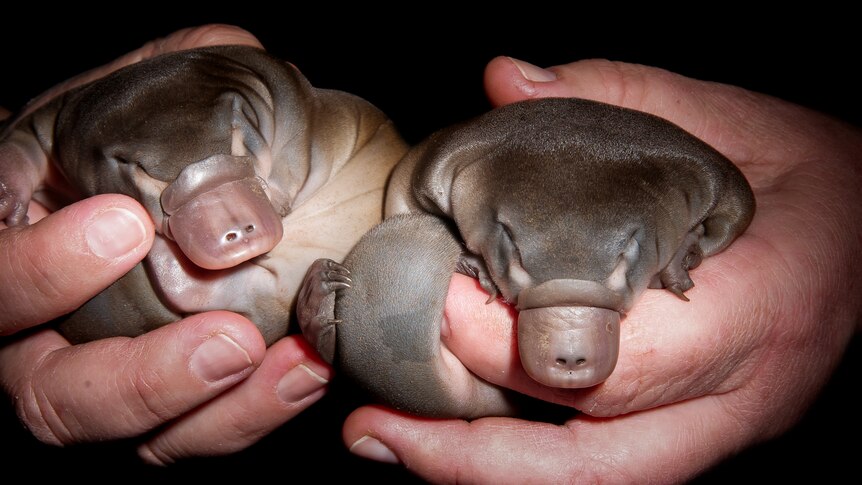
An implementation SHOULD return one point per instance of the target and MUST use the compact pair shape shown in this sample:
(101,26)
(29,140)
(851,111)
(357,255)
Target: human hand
(768,321)
(207,383)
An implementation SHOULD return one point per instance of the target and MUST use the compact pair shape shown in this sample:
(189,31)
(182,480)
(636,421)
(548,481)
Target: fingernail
(219,357)
(373,449)
(298,383)
(114,233)
(533,73)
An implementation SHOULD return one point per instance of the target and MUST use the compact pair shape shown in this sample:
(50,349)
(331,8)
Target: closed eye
(508,240)
(510,255)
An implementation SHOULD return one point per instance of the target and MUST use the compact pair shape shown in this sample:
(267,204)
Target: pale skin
(767,322)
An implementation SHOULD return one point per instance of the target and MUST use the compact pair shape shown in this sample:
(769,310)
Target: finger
(190,38)
(122,387)
(638,448)
(52,267)
(635,86)
(745,126)
(290,379)
(203,36)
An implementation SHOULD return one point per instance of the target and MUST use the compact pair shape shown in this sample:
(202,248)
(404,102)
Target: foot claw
(315,305)
(674,277)
(676,290)
(473,266)
(337,277)
(334,267)
(333,286)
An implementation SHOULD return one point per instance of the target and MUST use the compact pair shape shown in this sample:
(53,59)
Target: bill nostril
(567,363)
(234,235)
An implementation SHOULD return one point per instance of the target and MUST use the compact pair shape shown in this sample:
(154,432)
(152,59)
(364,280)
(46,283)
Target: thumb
(54,266)
(635,86)
(738,123)
(663,445)
(684,101)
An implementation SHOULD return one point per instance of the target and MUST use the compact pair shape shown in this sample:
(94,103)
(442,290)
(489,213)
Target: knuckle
(43,279)
(233,431)
(243,429)
(31,280)
(41,417)
(57,413)
(153,455)
(624,83)
(148,398)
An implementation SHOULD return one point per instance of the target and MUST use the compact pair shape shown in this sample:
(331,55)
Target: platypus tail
(390,320)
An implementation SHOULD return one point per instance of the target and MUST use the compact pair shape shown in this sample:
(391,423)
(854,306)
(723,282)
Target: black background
(426,77)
